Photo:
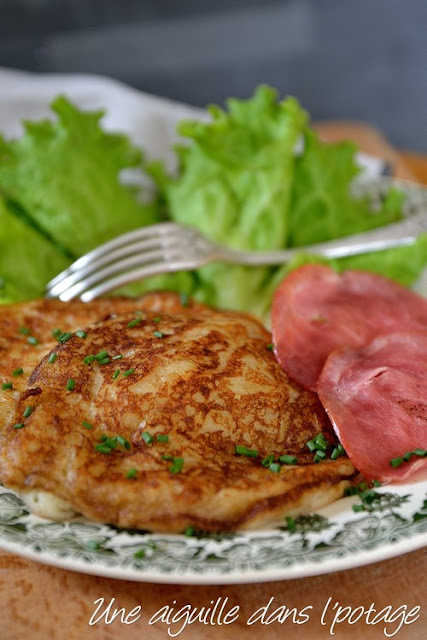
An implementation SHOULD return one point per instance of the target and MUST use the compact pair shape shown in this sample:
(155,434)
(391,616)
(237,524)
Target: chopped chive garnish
(24,331)
(420,452)
(102,448)
(311,445)
(318,445)
(18,372)
(157,320)
(129,372)
(376,483)
(266,462)
(116,374)
(350,491)
(290,524)
(138,555)
(337,452)
(321,443)
(244,451)
(131,473)
(274,467)
(32,340)
(147,437)
(396,462)
(70,386)
(118,357)
(270,346)
(28,411)
(177,465)
(189,532)
(286,459)
(134,323)
(368,496)
(56,332)
(108,444)
(64,337)
(7,385)
(104,360)
(101,355)
(362,486)
(51,359)
(162,438)
(81,334)
(158,334)
(123,442)
(183,298)
(358,507)
(87,425)
(89,359)
(19,425)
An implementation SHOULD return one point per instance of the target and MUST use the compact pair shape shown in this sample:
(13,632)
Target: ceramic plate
(336,538)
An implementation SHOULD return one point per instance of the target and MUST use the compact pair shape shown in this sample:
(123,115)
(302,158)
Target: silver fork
(168,247)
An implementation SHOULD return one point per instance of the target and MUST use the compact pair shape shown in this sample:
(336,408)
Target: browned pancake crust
(210,383)
(40,317)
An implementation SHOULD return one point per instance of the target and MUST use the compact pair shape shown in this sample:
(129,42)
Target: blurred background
(364,60)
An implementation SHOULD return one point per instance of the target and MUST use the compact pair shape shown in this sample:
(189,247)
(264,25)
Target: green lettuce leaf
(27,259)
(235,185)
(236,176)
(241,183)
(323,206)
(403,264)
(65,176)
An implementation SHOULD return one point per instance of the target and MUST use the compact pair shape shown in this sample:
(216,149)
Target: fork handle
(398,234)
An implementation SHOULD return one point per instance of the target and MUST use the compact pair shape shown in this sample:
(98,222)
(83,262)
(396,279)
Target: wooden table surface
(39,602)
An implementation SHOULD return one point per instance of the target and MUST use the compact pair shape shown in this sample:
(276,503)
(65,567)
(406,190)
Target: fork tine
(159,230)
(147,250)
(132,276)
(156,258)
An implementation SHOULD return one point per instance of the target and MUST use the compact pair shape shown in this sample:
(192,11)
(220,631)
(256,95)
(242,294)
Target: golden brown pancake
(21,322)
(205,382)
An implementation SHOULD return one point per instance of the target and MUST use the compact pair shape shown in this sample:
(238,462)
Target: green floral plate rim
(333,539)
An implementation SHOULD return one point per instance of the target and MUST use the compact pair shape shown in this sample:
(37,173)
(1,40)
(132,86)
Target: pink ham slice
(376,399)
(316,310)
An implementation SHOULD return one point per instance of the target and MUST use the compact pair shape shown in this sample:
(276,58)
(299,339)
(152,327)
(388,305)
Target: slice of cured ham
(376,399)
(316,310)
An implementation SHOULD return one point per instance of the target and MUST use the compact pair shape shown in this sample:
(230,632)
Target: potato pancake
(137,423)
(29,330)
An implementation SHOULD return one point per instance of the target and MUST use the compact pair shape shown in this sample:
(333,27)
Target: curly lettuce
(65,176)
(254,177)
(242,183)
